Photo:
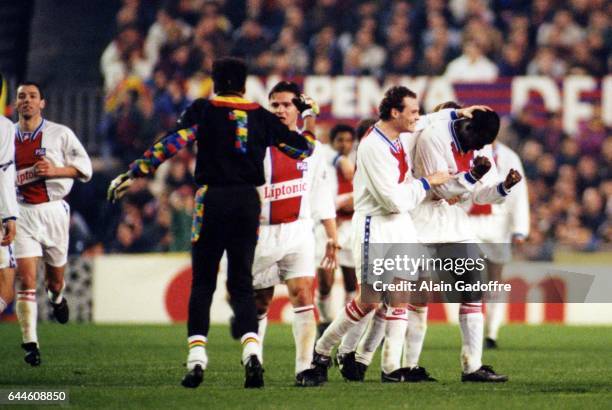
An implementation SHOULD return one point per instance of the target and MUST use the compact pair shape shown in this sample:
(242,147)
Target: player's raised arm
(292,143)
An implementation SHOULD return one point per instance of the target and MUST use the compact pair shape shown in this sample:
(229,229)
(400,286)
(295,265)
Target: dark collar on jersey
(29,135)
(451,127)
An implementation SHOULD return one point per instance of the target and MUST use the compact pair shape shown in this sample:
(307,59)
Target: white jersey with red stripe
(56,143)
(438,149)
(295,189)
(510,217)
(8,200)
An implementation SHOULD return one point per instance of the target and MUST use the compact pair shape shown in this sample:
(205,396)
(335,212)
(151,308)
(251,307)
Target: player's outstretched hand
(9,229)
(306,105)
(438,178)
(468,112)
(118,187)
(513,178)
(480,167)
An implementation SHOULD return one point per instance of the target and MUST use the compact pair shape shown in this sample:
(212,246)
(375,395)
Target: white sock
(494,317)
(415,334)
(304,335)
(472,328)
(2,305)
(197,352)
(372,338)
(27,314)
(262,326)
(250,346)
(56,298)
(348,317)
(324,304)
(350,340)
(395,333)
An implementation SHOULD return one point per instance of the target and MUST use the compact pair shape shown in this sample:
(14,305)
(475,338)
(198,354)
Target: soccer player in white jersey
(499,227)
(460,147)
(48,157)
(384,193)
(295,193)
(342,169)
(8,211)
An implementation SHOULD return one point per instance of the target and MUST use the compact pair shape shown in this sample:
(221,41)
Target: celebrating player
(296,192)
(458,147)
(48,157)
(232,135)
(384,193)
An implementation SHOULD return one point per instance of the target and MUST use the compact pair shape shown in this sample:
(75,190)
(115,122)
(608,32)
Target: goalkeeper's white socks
(472,328)
(250,346)
(262,326)
(350,340)
(324,304)
(494,317)
(197,352)
(3,305)
(27,314)
(348,317)
(304,335)
(394,339)
(415,334)
(373,337)
(56,298)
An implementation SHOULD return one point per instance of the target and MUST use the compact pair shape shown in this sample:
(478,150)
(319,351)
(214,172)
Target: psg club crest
(302,166)
(40,152)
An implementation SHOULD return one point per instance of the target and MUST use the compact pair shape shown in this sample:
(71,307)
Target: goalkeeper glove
(306,106)
(118,187)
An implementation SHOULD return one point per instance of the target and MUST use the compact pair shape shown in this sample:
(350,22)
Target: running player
(48,157)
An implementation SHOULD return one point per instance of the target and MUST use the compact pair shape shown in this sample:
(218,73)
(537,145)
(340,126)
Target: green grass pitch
(140,367)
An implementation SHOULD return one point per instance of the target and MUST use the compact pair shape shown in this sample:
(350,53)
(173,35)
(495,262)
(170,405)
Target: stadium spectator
(472,65)
(168,29)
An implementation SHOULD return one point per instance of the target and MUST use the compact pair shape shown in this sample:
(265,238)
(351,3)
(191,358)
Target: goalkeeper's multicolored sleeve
(161,151)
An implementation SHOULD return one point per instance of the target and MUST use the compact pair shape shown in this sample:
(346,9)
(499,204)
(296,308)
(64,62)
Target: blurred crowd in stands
(161,57)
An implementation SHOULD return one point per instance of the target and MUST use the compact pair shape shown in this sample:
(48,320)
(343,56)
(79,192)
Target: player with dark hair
(463,147)
(232,136)
(48,158)
(296,193)
(342,168)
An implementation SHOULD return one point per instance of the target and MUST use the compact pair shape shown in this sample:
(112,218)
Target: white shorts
(7,257)
(439,222)
(388,229)
(494,233)
(345,240)
(42,230)
(283,252)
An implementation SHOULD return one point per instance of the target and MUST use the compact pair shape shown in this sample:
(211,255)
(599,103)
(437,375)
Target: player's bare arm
(45,168)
